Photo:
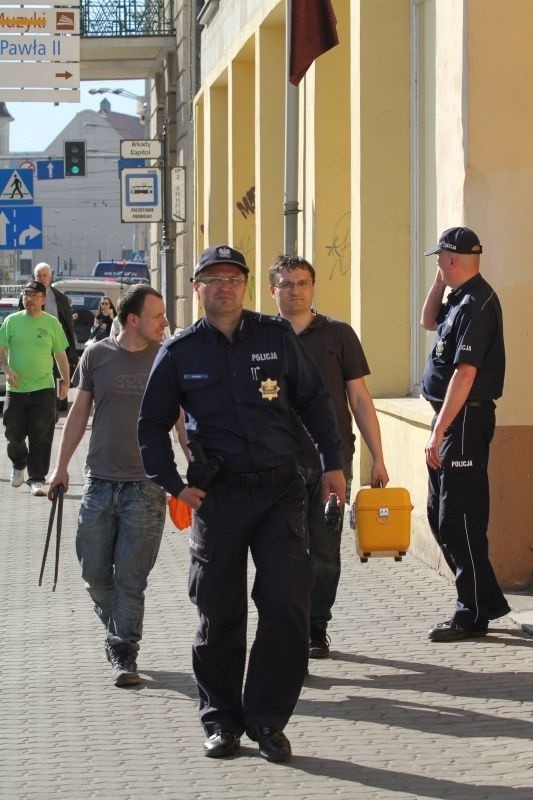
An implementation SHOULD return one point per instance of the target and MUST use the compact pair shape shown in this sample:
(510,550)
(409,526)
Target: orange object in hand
(180,513)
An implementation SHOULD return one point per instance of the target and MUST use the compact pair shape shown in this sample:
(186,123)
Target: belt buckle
(250,479)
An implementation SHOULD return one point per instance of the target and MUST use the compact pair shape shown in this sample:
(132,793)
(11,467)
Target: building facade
(414,123)
(81,215)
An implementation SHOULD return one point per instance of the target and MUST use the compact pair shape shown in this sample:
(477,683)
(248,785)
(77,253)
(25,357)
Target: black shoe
(319,642)
(273,744)
(122,659)
(502,611)
(221,744)
(450,631)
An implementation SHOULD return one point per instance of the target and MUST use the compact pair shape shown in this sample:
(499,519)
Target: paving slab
(390,716)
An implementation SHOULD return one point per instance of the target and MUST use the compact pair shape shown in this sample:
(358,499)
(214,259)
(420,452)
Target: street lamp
(142,102)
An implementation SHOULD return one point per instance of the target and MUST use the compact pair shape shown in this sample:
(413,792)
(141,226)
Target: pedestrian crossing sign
(16,187)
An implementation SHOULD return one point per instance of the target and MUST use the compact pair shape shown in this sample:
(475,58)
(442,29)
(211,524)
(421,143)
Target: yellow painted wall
(328,216)
(473,166)
(241,186)
(269,142)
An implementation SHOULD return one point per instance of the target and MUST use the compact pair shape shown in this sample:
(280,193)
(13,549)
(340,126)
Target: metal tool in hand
(57,503)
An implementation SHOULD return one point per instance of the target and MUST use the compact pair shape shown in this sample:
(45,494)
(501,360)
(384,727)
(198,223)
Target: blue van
(123,271)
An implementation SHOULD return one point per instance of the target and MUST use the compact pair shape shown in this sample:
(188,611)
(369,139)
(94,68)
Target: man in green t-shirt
(30,340)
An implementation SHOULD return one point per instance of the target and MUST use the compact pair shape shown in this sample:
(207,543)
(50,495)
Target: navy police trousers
(267,521)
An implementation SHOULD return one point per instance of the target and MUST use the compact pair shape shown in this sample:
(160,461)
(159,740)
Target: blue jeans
(120,525)
(324,546)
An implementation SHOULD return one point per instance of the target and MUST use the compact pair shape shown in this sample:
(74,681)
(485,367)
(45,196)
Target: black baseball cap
(220,254)
(35,286)
(457,240)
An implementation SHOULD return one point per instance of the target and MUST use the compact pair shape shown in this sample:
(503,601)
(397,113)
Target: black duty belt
(470,403)
(266,477)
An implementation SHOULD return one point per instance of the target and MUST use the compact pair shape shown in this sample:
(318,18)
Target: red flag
(313,32)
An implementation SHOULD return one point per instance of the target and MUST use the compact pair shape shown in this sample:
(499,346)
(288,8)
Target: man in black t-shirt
(462,378)
(337,350)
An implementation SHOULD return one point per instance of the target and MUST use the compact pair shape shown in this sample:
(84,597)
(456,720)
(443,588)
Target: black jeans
(30,416)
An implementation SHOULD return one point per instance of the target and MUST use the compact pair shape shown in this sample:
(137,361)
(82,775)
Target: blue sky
(37,124)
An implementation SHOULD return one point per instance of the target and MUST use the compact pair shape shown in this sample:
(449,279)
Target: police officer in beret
(242,377)
(463,377)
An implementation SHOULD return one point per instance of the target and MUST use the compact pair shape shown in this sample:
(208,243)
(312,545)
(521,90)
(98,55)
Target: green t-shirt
(31,343)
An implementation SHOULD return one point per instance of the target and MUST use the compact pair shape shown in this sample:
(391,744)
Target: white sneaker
(17,477)
(37,489)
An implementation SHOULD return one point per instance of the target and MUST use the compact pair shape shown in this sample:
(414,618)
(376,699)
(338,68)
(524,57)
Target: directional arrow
(50,169)
(29,233)
(65,75)
(3,226)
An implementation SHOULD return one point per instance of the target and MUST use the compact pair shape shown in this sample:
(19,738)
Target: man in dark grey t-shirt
(122,513)
(336,349)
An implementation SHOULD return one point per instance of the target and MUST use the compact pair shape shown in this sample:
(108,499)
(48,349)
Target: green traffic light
(75,170)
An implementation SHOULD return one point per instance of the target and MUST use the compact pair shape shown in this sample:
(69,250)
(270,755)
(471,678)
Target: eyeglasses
(287,286)
(104,303)
(218,280)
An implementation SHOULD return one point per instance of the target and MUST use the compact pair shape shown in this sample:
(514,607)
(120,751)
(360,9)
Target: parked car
(84,295)
(125,271)
(7,307)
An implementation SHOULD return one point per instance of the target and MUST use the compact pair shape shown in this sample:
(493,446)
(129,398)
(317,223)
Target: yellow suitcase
(382,521)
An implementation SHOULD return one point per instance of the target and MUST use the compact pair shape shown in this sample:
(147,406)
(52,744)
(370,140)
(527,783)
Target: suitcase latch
(383,512)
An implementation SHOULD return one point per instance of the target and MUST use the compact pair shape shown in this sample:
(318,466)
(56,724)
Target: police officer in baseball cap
(462,378)
(242,377)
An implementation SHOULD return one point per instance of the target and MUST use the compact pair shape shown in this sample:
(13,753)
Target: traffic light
(75,159)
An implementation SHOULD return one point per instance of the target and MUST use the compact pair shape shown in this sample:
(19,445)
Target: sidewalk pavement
(390,716)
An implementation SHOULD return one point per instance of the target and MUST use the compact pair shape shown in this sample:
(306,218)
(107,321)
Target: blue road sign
(21,228)
(124,163)
(50,170)
(16,187)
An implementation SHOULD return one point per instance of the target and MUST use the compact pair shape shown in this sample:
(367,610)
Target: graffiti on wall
(338,252)
(246,206)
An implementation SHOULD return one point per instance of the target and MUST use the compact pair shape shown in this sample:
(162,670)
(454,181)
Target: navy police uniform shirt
(469,331)
(241,397)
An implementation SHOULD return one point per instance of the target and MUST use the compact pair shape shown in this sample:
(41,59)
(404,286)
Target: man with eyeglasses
(242,378)
(336,349)
(31,342)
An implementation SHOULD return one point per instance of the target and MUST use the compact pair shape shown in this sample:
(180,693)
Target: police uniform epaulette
(180,335)
(272,319)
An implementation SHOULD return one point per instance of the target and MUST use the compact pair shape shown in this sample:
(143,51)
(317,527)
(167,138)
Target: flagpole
(290,206)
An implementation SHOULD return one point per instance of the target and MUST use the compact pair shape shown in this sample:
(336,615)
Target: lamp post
(142,102)
(166,250)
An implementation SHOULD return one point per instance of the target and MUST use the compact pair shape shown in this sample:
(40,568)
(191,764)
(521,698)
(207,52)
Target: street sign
(22,47)
(71,3)
(51,169)
(22,95)
(16,187)
(31,61)
(140,148)
(45,74)
(21,228)
(43,20)
(140,195)
(177,191)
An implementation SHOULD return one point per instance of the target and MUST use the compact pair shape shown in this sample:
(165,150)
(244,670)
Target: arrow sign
(28,233)
(50,170)
(3,229)
(21,228)
(39,74)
